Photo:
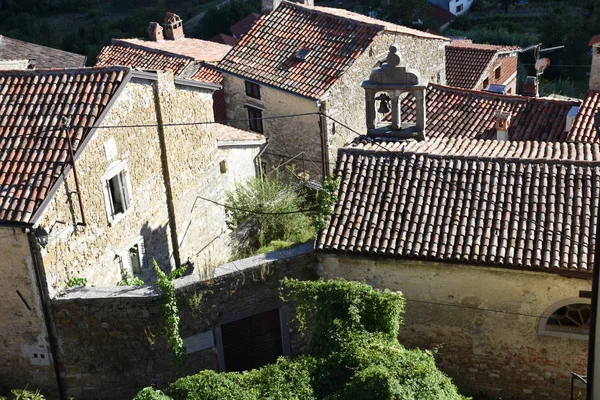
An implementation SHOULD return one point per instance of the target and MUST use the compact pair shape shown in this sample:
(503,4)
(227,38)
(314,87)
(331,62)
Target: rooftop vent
(571,118)
(301,54)
(492,88)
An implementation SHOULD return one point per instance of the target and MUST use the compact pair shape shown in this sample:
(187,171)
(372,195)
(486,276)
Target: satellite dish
(542,64)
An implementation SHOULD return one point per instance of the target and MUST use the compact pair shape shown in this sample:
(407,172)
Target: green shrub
(128,280)
(284,380)
(75,281)
(211,385)
(149,393)
(267,209)
(24,394)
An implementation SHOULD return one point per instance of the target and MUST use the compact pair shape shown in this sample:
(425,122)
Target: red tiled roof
(453,112)
(40,56)
(242,27)
(207,73)
(510,213)
(224,39)
(334,38)
(439,15)
(143,59)
(583,129)
(199,50)
(226,133)
(467,62)
(594,40)
(34,151)
(480,148)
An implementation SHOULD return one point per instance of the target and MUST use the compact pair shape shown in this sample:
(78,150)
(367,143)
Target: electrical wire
(477,197)
(256,211)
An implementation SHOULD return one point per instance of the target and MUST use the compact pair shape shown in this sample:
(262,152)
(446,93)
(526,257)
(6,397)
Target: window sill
(565,335)
(116,218)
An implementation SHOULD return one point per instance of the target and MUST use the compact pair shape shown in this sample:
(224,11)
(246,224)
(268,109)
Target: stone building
(482,66)
(489,235)
(186,57)
(104,170)
(492,252)
(300,59)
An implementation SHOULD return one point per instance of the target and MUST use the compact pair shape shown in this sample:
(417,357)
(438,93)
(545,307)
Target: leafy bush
(149,393)
(268,209)
(354,354)
(128,280)
(212,385)
(75,281)
(24,394)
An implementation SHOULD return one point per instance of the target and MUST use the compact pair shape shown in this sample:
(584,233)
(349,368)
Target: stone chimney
(502,125)
(155,32)
(173,27)
(269,5)
(595,71)
(530,87)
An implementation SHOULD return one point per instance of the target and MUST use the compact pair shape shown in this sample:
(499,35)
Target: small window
(301,54)
(459,8)
(252,90)
(569,318)
(255,120)
(133,258)
(486,83)
(497,72)
(117,192)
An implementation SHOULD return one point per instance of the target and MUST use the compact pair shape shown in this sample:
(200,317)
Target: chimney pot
(595,69)
(530,87)
(173,27)
(502,125)
(155,32)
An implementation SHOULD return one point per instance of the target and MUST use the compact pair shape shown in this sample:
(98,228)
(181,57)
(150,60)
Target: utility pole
(593,370)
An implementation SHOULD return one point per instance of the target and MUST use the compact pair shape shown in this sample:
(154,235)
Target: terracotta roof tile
(225,133)
(224,39)
(334,38)
(480,148)
(500,212)
(41,56)
(33,150)
(207,73)
(199,50)
(594,40)
(143,59)
(583,129)
(242,27)
(467,62)
(453,112)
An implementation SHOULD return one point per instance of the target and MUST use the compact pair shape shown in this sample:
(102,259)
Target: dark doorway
(252,342)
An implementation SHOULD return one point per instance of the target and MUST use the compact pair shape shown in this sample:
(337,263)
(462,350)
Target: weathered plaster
(488,353)
(22,330)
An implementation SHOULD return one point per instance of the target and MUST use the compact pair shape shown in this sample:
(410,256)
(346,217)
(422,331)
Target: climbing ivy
(326,202)
(170,310)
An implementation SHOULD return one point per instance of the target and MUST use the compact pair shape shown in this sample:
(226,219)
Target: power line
(256,211)
(477,197)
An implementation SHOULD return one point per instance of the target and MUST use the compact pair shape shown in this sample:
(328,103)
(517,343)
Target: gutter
(42,287)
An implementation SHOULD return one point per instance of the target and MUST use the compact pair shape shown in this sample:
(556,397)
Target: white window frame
(543,331)
(125,257)
(119,168)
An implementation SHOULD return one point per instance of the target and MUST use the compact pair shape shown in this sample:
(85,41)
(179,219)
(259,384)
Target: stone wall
(346,98)
(489,354)
(344,101)
(169,166)
(25,359)
(287,137)
(111,344)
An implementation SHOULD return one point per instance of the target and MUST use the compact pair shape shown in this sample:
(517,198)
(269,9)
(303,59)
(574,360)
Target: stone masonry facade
(111,339)
(25,356)
(344,101)
(184,159)
(496,354)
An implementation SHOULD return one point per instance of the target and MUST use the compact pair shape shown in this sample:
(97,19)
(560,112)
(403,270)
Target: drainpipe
(324,138)
(593,391)
(42,287)
(166,174)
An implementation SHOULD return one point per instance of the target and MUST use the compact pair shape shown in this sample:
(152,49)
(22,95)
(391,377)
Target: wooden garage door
(252,342)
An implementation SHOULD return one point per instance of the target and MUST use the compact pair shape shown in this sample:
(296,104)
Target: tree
(354,354)
(219,19)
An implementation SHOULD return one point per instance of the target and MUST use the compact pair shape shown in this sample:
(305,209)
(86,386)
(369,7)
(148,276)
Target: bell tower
(387,83)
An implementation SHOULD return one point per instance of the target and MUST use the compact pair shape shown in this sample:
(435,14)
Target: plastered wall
(22,330)
(489,354)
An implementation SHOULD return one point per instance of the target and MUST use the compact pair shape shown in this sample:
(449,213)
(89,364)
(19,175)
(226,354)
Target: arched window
(569,318)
